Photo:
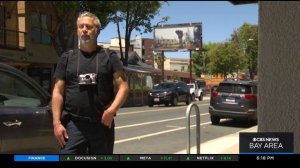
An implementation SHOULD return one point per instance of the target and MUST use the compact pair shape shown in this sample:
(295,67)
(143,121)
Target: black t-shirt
(88,101)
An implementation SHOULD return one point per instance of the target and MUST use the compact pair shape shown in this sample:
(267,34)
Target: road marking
(172,126)
(157,133)
(153,122)
(216,146)
(146,111)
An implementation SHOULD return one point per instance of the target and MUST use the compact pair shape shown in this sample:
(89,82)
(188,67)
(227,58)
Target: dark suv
(234,99)
(169,92)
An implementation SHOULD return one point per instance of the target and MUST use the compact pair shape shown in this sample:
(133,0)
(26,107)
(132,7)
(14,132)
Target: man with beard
(84,102)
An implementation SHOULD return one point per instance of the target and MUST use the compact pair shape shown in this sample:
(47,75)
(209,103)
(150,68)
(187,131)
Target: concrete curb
(228,144)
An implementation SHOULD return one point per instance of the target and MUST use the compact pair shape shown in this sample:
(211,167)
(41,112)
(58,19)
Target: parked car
(25,115)
(169,92)
(213,89)
(195,91)
(234,99)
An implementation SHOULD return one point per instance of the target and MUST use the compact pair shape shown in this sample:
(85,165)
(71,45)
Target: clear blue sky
(219,20)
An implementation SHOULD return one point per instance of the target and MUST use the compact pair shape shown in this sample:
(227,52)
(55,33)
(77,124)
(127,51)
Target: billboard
(174,37)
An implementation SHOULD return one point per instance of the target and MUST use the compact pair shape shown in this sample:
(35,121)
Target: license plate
(156,99)
(230,100)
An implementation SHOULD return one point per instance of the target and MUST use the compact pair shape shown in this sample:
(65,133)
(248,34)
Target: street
(162,130)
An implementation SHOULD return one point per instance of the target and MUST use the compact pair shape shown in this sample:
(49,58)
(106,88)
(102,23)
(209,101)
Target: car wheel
(150,105)
(188,100)
(174,101)
(200,97)
(193,97)
(215,120)
(166,104)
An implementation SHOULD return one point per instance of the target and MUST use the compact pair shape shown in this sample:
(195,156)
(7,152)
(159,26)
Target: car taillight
(214,93)
(250,97)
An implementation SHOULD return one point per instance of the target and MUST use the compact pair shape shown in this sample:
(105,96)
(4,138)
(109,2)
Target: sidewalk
(228,144)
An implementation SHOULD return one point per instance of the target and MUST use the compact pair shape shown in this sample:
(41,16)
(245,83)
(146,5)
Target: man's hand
(61,134)
(108,117)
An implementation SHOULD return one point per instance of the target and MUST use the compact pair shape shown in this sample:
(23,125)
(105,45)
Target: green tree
(247,39)
(175,76)
(198,63)
(225,59)
(65,15)
(201,59)
(137,15)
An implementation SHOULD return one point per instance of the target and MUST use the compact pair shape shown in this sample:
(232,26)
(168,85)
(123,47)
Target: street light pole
(245,47)
(250,67)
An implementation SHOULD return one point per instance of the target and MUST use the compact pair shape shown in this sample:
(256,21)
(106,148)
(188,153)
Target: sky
(219,19)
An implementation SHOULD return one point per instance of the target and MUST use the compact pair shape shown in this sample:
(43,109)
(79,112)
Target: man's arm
(57,104)
(123,89)
(121,83)
(57,100)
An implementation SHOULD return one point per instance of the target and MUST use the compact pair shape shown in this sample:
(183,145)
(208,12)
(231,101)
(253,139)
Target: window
(40,27)
(182,68)
(15,92)
(227,88)
(243,89)
(149,81)
(67,32)
(42,76)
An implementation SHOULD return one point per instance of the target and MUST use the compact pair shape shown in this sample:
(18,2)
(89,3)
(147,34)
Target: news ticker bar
(124,158)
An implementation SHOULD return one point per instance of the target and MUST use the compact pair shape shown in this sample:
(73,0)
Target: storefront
(140,82)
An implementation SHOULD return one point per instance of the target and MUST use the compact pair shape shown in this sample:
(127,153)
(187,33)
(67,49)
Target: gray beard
(86,42)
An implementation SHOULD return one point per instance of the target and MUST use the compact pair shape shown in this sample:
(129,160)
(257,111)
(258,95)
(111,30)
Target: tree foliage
(247,39)
(137,15)
(201,59)
(238,53)
(65,14)
(198,65)
(175,76)
(225,59)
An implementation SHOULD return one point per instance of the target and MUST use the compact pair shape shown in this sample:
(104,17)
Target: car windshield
(201,83)
(164,86)
(232,88)
(190,86)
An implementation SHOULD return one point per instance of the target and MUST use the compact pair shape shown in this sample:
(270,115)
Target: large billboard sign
(176,37)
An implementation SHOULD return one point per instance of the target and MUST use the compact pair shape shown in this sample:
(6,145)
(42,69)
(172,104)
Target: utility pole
(162,66)
(191,66)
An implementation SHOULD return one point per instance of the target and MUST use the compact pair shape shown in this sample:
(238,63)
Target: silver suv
(234,99)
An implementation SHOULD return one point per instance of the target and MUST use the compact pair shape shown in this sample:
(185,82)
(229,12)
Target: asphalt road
(162,130)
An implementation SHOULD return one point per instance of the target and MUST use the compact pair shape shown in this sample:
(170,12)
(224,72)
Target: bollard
(188,113)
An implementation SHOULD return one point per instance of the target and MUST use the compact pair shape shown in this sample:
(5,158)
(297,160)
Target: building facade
(30,39)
